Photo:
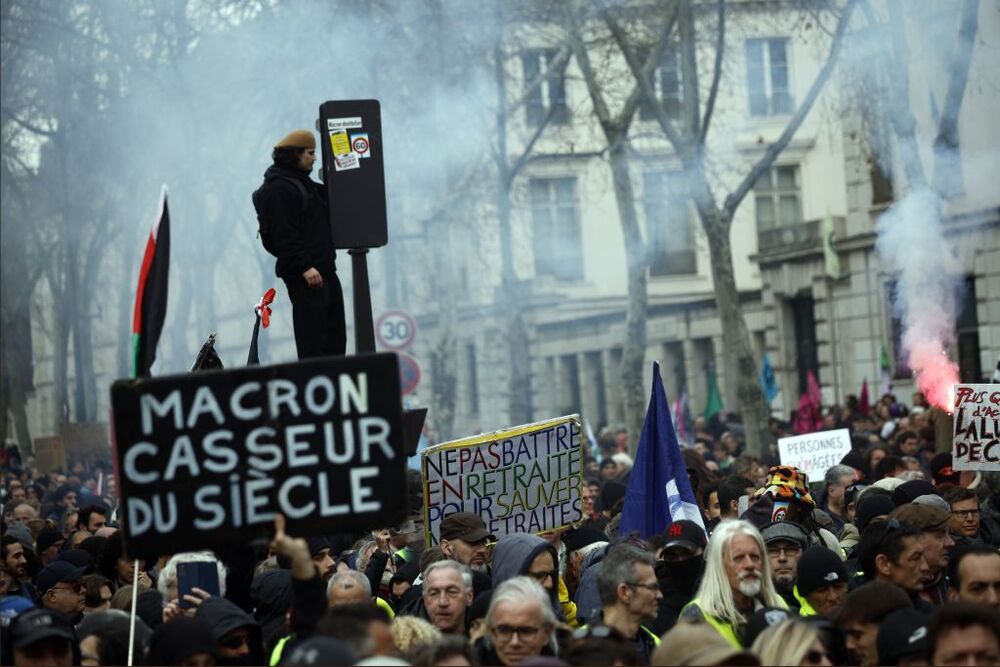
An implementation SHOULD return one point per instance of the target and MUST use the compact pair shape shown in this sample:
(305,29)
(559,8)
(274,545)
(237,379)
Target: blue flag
(767,380)
(659,491)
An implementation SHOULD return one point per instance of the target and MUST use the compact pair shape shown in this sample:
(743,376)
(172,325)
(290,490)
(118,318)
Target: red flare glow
(937,375)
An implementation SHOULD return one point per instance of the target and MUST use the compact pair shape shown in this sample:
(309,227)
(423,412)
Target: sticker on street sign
(395,330)
(409,374)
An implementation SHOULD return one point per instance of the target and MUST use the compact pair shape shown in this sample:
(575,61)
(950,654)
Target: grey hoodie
(512,557)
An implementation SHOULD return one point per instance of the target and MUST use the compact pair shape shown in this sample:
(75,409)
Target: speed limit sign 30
(395,330)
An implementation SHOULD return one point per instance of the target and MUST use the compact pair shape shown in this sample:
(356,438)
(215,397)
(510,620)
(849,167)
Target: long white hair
(714,593)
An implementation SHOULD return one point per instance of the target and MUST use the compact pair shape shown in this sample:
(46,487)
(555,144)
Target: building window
(778,199)
(555,218)
(549,91)
(767,77)
(666,84)
(900,366)
(668,225)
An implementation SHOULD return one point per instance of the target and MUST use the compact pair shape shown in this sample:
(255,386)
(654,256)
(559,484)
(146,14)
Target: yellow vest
(727,631)
(276,653)
(805,609)
(386,607)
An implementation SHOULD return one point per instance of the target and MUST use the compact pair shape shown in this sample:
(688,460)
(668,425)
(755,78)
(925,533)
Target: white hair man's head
(736,572)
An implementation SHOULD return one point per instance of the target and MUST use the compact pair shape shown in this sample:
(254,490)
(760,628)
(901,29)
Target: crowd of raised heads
(890,559)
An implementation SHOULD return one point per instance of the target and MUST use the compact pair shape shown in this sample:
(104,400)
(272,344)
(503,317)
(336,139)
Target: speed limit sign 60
(395,330)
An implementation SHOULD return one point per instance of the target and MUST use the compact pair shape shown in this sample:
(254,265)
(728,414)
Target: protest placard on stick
(814,453)
(207,459)
(976,439)
(524,479)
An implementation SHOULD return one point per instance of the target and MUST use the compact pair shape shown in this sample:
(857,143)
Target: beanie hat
(297,139)
(871,506)
(901,634)
(819,567)
(907,492)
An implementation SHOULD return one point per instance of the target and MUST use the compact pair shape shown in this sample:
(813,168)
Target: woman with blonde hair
(791,643)
(410,633)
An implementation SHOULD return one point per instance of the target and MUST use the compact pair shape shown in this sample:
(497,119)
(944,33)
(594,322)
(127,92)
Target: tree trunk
(634,346)
(735,335)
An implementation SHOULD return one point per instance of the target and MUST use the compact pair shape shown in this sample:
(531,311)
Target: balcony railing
(805,235)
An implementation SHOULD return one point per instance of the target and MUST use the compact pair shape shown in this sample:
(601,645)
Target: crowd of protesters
(891,559)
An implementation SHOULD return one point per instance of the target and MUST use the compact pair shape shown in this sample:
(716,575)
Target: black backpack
(263,225)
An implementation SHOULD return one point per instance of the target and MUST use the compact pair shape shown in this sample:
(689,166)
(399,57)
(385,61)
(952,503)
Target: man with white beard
(737,582)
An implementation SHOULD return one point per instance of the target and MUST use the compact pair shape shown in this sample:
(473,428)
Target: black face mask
(683,574)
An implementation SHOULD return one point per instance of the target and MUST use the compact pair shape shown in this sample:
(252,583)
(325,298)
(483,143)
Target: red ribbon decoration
(262,308)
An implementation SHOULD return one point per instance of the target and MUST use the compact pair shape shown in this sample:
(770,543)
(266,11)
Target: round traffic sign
(409,373)
(395,330)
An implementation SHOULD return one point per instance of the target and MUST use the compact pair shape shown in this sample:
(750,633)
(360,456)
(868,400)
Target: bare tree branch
(947,135)
(522,159)
(732,202)
(28,126)
(720,47)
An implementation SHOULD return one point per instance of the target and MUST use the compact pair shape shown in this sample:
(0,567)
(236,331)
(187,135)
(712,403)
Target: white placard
(815,453)
(976,441)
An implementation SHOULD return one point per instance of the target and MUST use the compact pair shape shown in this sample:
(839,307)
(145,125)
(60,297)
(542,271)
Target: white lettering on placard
(814,453)
(149,406)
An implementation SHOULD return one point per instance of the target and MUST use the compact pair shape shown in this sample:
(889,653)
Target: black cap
(46,538)
(464,526)
(907,492)
(317,544)
(77,558)
(942,471)
(320,651)
(685,534)
(764,618)
(902,633)
(871,506)
(819,567)
(58,572)
(581,537)
(40,624)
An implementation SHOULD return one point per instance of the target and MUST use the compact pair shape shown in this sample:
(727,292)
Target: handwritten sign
(815,453)
(207,459)
(976,442)
(525,479)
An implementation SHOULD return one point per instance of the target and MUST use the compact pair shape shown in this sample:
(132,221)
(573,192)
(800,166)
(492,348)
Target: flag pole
(135,597)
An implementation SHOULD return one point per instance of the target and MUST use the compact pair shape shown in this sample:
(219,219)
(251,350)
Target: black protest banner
(208,459)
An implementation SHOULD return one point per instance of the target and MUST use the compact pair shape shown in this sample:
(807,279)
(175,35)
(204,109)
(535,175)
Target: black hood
(223,617)
(275,171)
(272,597)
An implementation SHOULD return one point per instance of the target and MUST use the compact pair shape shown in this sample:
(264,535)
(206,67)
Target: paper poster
(345,162)
(524,479)
(333,124)
(815,453)
(976,441)
(339,143)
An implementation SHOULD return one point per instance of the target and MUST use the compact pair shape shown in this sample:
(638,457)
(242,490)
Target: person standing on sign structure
(294,224)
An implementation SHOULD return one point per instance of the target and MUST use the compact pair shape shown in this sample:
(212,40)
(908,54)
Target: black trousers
(318,317)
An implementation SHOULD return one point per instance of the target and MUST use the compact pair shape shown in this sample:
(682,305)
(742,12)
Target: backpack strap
(302,191)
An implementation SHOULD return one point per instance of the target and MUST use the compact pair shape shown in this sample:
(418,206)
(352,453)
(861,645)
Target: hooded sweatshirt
(512,557)
(588,600)
(222,616)
(272,596)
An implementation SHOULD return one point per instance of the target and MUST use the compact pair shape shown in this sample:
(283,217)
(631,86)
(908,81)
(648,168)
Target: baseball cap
(764,618)
(819,567)
(321,651)
(699,644)
(785,530)
(685,534)
(901,634)
(942,471)
(40,624)
(58,572)
(464,526)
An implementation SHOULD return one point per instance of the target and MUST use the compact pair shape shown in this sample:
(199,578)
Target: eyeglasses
(540,577)
(234,641)
(507,632)
(966,514)
(649,587)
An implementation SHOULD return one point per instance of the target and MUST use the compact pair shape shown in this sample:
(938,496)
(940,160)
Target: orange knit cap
(297,139)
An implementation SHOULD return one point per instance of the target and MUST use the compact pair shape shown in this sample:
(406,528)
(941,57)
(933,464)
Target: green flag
(713,403)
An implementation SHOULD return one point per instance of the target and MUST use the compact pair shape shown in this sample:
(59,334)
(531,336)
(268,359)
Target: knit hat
(47,538)
(581,537)
(297,139)
(819,567)
(786,483)
(871,506)
(908,491)
(901,634)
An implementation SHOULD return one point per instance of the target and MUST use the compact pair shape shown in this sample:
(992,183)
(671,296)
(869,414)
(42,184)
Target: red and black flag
(151,293)
(263,312)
